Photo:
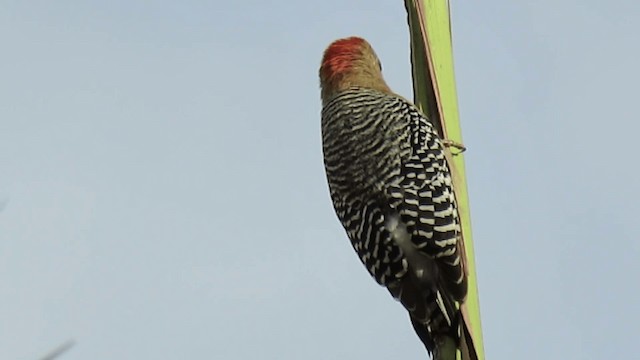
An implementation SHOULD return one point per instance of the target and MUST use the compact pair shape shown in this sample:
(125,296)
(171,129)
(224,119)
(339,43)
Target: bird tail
(445,346)
(467,348)
(433,314)
(436,318)
(440,326)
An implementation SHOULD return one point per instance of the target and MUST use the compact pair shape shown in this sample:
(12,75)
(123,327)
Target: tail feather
(423,334)
(442,335)
(444,346)
(467,348)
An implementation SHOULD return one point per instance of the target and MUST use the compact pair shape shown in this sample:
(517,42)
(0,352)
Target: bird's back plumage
(392,191)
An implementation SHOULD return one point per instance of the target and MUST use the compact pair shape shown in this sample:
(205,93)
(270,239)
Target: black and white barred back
(384,159)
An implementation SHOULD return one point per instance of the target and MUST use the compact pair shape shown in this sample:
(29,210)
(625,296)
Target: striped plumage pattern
(392,190)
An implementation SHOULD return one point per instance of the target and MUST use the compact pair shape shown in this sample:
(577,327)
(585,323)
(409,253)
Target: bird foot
(452,144)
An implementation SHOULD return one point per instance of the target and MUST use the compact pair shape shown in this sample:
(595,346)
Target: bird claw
(452,144)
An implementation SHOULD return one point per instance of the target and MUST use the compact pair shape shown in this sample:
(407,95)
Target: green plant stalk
(435,93)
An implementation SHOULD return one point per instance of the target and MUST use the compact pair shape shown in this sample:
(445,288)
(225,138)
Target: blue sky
(161,171)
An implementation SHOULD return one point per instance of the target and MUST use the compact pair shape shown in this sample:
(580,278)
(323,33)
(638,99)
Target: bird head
(350,62)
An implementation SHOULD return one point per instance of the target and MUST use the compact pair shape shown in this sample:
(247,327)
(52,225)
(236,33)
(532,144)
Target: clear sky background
(164,194)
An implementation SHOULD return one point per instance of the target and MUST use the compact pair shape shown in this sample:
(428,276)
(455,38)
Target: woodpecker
(392,190)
